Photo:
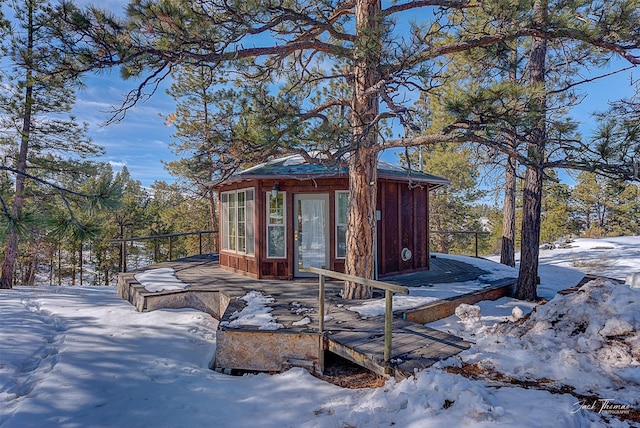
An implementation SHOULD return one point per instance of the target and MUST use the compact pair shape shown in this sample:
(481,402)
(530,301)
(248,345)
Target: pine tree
(35,115)
(519,106)
(606,206)
(558,220)
(616,143)
(204,122)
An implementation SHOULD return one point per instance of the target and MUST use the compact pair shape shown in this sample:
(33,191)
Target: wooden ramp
(346,333)
(415,347)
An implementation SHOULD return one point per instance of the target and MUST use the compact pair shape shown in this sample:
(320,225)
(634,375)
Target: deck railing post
(388,327)
(123,253)
(321,303)
(122,242)
(476,244)
(122,256)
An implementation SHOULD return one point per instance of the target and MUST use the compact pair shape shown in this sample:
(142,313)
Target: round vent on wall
(405,254)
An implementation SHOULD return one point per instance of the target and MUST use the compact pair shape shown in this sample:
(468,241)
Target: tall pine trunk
(508,248)
(442,241)
(363,163)
(11,248)
(30,268)
(526,286)
(507,252)
(214,217)
(81,263)
(59,265)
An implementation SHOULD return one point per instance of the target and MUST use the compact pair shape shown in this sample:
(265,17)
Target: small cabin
(281,216)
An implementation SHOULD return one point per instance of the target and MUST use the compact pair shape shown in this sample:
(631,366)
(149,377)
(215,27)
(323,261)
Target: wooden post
(81,263)
(388,326)
(321,303)
(476,244)
(320,323)
(59,265)
(200,241)
(170,248)
(124,256)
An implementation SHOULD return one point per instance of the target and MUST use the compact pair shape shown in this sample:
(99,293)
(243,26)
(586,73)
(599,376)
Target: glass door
(311,232)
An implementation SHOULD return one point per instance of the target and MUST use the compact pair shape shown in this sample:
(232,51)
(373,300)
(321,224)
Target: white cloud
(117,164)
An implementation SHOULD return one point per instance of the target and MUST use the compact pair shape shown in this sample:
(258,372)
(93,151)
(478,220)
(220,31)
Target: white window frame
(269,226)
(249,223)
(338,223)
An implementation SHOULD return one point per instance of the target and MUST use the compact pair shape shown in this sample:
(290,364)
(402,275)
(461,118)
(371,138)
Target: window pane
(275,241)
(240,206)
(240,222)
(276,209)
(249,224)
(225,221)
(341,241)
(241,237)
(276,229)
(240,213)
(343,204)
(233,232)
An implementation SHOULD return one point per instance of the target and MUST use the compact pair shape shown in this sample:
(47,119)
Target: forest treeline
(49,255)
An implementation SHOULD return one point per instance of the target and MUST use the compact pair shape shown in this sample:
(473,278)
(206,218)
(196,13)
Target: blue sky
(140,140)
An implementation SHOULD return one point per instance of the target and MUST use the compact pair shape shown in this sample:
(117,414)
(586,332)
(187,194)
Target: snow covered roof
(297,167)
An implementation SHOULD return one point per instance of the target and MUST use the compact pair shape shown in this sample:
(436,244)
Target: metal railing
(388,288)
(123,243)
(462,232)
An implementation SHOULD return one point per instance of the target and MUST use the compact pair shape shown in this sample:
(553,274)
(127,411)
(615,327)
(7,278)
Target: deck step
(446,307)
(414,347)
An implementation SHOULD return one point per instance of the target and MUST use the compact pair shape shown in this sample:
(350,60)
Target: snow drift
(589,339)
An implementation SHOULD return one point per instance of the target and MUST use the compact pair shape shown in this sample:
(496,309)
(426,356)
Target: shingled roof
(297,167)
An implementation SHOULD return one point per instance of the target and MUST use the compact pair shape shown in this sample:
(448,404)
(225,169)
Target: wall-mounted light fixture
(275,190)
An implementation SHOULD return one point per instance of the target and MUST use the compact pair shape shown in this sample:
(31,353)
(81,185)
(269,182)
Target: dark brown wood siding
(239,263)
(388,236)
(421,227)
(403,224)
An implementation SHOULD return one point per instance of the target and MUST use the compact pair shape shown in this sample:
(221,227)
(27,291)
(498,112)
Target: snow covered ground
(83,357)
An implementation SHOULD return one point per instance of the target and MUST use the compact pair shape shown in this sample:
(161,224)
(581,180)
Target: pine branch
(463,4)
(5,209)
(45,182)
(593,79)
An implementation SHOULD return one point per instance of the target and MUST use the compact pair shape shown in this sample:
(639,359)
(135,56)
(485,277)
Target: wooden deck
(346,333)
